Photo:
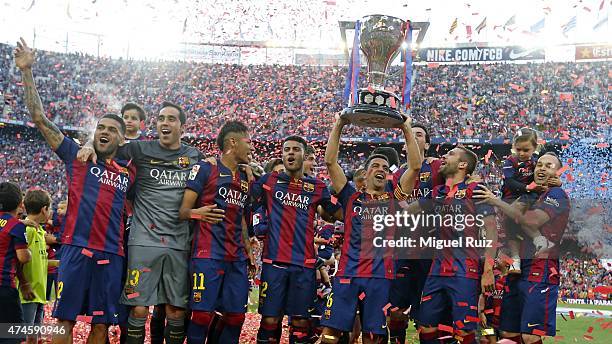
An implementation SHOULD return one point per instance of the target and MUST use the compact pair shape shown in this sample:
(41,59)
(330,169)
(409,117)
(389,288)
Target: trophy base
(375,116)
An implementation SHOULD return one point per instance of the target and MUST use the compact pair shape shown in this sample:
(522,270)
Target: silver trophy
(381,39)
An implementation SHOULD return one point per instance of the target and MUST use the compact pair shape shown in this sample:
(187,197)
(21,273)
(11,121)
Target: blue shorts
(325,252)
(286,289)
(457,295)
(219,285)
(369,295)
(85,287)
(406,288)
(529,306)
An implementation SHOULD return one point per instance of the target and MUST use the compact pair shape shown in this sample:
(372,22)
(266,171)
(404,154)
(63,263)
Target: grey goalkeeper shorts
(156,275)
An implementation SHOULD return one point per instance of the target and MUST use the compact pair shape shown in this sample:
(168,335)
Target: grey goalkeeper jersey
(160,183)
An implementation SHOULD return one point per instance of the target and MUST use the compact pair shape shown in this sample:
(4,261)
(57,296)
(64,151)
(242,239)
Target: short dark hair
(10,196)
(551,153)
(35,200)
(375,156)
(230,127)
(422,126)
(309,150)
(182,115)
(296,139)
(131,106)
(270,165)
(470,157)
(116,118)
(390,153)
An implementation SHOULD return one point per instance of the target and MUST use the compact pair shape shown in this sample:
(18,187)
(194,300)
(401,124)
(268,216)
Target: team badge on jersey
(460,194)
(309,187)
(197,296)
(244,186)
(425,176)
(183,161)
(194,172)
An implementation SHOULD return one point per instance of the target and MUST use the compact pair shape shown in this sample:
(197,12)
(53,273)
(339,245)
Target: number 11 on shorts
(198,276)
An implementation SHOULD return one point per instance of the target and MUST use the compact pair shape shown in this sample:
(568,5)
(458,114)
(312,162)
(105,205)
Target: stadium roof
(150,28)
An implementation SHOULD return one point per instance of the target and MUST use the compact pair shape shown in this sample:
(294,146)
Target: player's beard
(448,169)
(103,154)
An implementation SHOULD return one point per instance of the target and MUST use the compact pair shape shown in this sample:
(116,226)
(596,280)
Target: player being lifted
(530,301)
(89,276)
(159,241)
(364,272)
(291,201)
(217,195)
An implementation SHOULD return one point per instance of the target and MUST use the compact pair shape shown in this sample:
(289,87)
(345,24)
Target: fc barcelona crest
(309,187)
(183,161)
(197,296)
(244,186)
(425,176)
(460,194)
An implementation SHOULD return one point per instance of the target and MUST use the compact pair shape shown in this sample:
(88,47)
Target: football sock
(175,331)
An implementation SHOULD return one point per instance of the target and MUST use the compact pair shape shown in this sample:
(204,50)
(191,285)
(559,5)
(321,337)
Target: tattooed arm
(24,59)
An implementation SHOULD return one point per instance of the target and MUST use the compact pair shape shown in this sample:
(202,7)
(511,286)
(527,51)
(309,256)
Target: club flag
(453,26)
(482,25)
(537,27)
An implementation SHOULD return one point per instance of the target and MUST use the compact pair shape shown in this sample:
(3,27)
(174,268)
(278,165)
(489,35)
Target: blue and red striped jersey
(12,238)
(290,206)
(359,257)
(96,201)
(520,171)
(460,221)
(54,229)
(217,185)
(429,177)
(555,202)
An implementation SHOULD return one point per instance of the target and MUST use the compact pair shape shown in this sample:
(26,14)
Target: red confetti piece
(267,261)
(445,328)
(587,337)
(87,253)
(538,332)
(426,298)
(571,315)
(474,308)
(195,216)
(506,341)
(445,337)
(334,199)
(602,145)
(133,295)
(590,329)
(462,304)
(472,319)
(459,324)
(387,306)
(345,281)
(266,187)
(531,186)
(371,89)
(220,272)
(84,318)
(489,311)
(362,296)
(311,261)
(562,169)
(103,262)
(146,270)
(98,313)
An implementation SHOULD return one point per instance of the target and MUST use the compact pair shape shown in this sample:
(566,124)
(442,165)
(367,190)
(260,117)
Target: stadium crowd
(561,100)
(581,277)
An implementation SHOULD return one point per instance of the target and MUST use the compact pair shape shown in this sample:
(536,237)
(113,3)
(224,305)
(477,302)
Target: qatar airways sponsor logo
(370,213)
(169,178)
(234,197)
(116,180)
(292,199)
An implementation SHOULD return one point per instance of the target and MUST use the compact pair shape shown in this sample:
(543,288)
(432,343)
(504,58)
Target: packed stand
(562,100)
